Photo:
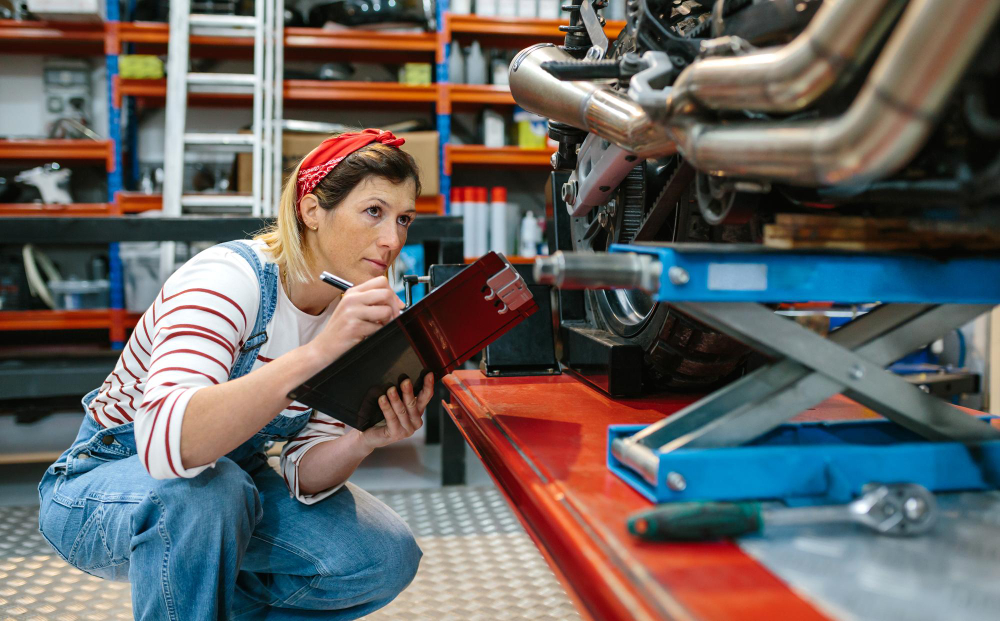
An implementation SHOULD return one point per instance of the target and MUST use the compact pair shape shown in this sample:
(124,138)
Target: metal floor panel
(478,565)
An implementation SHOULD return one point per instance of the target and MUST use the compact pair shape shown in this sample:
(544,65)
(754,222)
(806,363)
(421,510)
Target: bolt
(604,188)
(612,208)
(925,388)
(914,508)
(595,53)
(569,192)
(676,481)
(678,275)
(554,160)
(888,511)
(857,372)
(603,219)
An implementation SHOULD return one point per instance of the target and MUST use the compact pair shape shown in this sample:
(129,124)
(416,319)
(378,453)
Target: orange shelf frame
(495,156)
(295,38)
(59,150)
(39,36)
(354,39)
(155,91)
(386,92)
(137,202)
(473,94)
(14,210)
(515,26)
(95,319)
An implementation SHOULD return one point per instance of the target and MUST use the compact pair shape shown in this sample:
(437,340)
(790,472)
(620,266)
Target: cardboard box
(423,146)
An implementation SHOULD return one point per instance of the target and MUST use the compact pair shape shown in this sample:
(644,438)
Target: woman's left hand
(402,411)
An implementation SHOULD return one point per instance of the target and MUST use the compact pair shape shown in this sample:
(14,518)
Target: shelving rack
(110,40)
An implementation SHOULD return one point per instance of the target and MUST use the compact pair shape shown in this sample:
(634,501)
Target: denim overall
(95,444)
(230,542)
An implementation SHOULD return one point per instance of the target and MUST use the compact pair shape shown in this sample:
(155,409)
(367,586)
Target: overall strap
(267,278)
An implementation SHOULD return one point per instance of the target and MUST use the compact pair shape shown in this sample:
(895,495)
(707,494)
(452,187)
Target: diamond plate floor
(478,565)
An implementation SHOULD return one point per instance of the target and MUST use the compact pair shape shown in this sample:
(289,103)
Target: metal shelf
(53,150)
(158,33)
(17,210)
(495,156)
(40,37)
(515,26)
(95,319)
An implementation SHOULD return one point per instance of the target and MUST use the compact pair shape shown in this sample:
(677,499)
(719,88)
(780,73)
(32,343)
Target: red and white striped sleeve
(320,428)
(196,327)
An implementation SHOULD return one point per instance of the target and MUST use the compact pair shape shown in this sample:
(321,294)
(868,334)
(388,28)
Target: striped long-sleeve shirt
(189,339)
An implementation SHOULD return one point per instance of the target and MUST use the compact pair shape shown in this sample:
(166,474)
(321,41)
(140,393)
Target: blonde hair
(284,239)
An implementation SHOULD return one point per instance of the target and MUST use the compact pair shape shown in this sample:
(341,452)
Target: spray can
(498,220)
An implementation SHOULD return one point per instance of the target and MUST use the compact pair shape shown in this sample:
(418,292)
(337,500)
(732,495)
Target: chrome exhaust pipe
(885,126)
(840,36)
(588,105)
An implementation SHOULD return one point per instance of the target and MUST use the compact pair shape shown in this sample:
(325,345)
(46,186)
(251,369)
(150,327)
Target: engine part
(588,270)
(601,167)
(884,127)
(586,105)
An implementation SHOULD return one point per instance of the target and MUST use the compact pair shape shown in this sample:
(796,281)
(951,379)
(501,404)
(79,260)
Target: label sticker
(737,276)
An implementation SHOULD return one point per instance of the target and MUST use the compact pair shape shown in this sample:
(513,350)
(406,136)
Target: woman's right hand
(360,313)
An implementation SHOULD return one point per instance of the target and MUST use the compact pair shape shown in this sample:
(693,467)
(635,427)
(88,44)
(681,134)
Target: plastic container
(475,65)
(482,221)
(498,220)
(468,221)
(456,64)
(460,7)
(529,235)
(79,294)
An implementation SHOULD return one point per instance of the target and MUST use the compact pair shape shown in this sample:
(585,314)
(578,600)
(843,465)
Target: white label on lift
(737,276)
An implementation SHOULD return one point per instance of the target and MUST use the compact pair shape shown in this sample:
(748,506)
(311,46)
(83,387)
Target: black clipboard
(435,335)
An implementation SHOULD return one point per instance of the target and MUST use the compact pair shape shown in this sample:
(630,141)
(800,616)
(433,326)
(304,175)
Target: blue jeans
(228,544)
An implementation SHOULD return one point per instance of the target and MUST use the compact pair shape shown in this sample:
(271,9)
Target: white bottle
(460,7)
(529,235)
(527,8)
(494,129)
(507,8)
(456,64)
(475,65)
(549,9)
(500,70)
(482,221)
(487,8)
(498,220)
(468,222)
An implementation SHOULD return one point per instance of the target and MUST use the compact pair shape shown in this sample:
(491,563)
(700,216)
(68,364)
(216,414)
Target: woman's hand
(402,413)
(360,313)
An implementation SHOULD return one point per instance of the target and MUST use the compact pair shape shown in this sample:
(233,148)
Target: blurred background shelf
(93,319)
(495,156)
(58,150)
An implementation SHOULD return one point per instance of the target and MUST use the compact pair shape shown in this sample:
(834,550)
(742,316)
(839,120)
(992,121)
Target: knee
(397,557)
(225,495)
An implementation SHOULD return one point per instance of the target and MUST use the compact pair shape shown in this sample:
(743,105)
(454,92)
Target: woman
(167,485)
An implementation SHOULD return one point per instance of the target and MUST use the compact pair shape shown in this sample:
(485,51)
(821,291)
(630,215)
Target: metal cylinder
(588,105)
(591,270)
(791,77)
(885,126)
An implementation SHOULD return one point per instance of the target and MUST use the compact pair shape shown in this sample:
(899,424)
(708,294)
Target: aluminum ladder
(266,27)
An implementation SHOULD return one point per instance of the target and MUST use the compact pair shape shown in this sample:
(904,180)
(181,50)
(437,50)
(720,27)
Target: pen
(334,281)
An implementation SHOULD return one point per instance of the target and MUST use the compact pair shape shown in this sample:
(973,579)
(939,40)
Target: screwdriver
(900,509)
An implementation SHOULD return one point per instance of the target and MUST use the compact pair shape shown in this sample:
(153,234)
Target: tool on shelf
(898,509)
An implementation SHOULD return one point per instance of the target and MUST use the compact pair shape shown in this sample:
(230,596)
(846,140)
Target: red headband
(331,151)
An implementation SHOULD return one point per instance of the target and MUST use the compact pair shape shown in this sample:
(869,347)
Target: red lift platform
(544,441)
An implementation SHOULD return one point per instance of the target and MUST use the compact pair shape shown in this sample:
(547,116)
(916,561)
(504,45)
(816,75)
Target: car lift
(753,453)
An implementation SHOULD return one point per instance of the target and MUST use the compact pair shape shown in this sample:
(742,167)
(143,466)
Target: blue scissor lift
(736,443)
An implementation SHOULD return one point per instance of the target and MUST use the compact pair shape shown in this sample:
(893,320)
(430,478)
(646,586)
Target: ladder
(266,27)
